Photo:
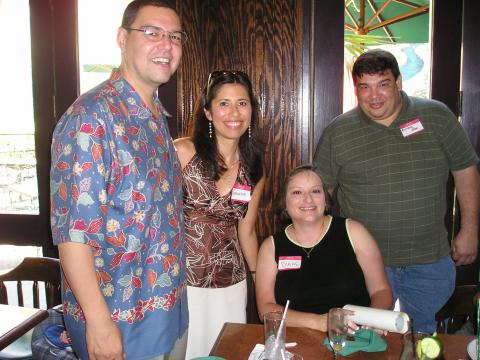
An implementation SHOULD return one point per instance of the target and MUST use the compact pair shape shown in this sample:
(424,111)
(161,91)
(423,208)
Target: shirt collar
(116,77)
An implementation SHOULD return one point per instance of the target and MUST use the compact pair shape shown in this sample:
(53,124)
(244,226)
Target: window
(98,49)
(18,175)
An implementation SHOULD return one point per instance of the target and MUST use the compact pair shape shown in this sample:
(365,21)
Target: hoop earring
(210,129)
(249,131)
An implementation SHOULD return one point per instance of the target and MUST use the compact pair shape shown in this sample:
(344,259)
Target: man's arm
(465,244)
(104,339)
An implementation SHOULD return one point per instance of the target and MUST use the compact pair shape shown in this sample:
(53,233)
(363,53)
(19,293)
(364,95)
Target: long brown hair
(250,144)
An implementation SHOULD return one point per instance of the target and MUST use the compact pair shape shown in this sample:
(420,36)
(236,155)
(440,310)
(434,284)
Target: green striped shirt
(396,185)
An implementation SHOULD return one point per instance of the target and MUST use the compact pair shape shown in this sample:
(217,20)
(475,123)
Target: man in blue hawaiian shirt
(116,202)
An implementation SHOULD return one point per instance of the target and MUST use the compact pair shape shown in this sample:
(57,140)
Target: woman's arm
(247,234)
(371,262)
(185,150)
(104,339)
(265,292)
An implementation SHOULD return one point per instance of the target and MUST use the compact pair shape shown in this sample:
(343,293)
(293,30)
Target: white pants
(209,309)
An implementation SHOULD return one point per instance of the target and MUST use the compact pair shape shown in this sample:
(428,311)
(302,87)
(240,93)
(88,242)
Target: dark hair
(280,205)
(250,144)
(131,11)
(375,61)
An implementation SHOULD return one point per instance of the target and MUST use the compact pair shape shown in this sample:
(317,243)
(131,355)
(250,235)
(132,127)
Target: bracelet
(253,272)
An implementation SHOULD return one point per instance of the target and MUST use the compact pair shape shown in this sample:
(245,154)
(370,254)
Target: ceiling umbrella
(398,21)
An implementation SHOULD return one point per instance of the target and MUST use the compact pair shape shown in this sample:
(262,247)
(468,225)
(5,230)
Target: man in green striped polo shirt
(390,159)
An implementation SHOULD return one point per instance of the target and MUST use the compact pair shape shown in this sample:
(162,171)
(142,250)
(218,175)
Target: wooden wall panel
(470,86)
(328,66)
(265,39)
(446,52)
(470,82)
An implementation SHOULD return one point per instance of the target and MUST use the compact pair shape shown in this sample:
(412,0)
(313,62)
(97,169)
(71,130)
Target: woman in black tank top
(317,262)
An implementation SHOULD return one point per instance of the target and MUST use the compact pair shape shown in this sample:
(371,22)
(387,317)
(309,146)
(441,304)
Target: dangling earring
(249,131)
(210,129)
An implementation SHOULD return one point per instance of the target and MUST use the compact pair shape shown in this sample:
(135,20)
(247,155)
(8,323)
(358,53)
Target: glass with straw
(274,326)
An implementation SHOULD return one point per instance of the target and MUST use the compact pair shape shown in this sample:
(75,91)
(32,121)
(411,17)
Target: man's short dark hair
(373,62)
(131,11)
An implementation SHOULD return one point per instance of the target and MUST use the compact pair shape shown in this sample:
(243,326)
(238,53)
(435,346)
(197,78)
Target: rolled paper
(393,321)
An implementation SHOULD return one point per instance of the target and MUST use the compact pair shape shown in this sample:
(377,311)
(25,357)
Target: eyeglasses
(218,73)
(156,34)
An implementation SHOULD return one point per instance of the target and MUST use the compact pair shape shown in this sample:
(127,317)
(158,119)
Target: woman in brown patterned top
(222,165)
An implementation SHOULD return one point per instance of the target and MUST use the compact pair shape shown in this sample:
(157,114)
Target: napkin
(258,353)
(363,340)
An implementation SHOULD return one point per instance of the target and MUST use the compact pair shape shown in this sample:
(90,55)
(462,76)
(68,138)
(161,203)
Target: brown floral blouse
(213,254)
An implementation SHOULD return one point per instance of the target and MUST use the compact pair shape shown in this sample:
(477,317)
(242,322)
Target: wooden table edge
(25,326)
(219,337)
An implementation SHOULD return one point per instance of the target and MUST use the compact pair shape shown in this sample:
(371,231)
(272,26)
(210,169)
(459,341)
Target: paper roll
(394,321)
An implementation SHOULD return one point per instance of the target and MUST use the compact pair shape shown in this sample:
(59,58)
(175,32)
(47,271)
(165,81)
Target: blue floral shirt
(116,186)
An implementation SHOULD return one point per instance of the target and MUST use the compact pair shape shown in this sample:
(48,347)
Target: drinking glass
(410,345)
(274,331)
(337,330)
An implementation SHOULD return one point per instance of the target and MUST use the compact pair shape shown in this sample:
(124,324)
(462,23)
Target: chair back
(458,309)
(36,269)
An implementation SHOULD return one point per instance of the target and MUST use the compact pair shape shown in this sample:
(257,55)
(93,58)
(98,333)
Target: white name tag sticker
(411,128)
(241,193)
(289,262)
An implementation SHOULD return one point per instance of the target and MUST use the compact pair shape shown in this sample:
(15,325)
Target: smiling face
(379,96)
(230,111)
(305,197)
(146,64)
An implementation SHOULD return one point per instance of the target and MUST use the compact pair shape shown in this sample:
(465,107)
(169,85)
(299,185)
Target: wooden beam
(362,14)
(379,11)
(420,11)
(350,27)
(407,3)
(350,16)
(380,19)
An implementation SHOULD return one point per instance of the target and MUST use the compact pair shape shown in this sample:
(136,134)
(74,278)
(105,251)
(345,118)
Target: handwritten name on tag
(241,193)
(411,128)
(289,262)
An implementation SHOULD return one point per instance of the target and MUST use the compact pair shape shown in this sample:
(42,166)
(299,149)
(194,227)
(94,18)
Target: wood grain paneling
(328,65)
(470,82)
(470,86)
(265,39)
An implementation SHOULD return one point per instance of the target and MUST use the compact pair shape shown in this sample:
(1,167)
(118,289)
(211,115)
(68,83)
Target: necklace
(309,251)
(232,164)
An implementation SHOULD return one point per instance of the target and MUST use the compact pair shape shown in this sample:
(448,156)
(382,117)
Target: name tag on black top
(289,263)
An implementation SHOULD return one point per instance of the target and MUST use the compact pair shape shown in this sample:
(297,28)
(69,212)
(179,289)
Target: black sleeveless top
(329,277)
